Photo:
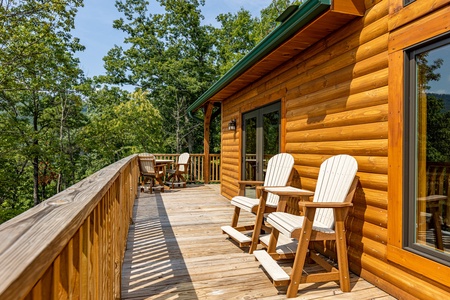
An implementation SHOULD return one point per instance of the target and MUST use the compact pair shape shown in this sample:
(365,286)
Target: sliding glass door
(261,140)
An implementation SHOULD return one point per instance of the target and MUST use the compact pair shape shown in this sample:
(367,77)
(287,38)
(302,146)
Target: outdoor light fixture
(232,125)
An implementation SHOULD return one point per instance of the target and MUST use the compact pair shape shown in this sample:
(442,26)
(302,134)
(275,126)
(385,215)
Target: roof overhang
(308,24)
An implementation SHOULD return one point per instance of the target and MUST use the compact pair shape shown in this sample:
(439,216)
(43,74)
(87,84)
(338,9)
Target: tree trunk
(36,199)
(36,180)
(61,141)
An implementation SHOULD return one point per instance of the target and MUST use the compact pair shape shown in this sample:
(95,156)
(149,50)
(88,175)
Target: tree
(37,72)
(235,38)
(170,57)
(122,123)
(267,21)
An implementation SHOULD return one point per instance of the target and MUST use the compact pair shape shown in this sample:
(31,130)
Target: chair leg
(181,177)
(257,229)
(234,221)
(302,249)
(271,248)
(341,247)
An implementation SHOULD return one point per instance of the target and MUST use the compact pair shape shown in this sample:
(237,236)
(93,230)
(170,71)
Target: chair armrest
(244,183)
(325,204)
(181,164)
(288,191)
(250,182)
(259,189)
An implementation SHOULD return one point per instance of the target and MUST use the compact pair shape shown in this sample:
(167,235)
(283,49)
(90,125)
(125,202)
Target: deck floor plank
(176,250)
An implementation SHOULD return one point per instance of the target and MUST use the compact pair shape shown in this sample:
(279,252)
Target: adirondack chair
(278,172)
(181,170)
(150,171)
(323,220)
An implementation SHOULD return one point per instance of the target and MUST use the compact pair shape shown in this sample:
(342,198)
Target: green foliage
(437,113)
(234,38)
(57,127)
(38,107)
(175,58)
(121,124)
(269,14)
(9,213)
(169,56)
(438,130)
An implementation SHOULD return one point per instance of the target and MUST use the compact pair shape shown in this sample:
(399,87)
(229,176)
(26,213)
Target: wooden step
(278,275)
(242,239)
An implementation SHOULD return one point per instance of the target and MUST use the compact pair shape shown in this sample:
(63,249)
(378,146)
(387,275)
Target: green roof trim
(303,15)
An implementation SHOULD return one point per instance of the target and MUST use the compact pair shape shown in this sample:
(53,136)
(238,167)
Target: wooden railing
(71,245)
(196,168)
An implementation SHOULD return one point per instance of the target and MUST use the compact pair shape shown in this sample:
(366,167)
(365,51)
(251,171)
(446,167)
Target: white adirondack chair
(181,170)
(323,220)
(150,171)
(278,172)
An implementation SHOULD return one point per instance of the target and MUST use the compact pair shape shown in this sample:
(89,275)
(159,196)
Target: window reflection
(433,149)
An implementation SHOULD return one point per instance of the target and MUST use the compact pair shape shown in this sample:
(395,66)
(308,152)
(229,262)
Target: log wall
(343,95)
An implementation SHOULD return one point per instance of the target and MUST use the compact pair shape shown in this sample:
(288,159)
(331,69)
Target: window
(427,151)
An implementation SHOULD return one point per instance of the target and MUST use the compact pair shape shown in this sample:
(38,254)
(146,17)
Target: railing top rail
(32,240)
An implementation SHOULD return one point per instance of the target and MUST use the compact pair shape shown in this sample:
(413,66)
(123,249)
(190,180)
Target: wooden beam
(206,137)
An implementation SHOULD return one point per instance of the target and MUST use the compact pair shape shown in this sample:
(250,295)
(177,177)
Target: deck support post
(206,136)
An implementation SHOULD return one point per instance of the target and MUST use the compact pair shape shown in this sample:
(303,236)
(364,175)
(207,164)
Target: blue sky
(93,25)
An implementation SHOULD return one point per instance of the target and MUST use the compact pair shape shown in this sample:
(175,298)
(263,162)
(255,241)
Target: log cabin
(368,78)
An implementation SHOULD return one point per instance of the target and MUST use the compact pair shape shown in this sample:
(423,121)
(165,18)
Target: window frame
(410,150)
(403,21)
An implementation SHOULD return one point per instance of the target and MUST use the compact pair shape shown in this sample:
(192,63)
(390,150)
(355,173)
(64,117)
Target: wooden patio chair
(278,172)
(323,220)
(150,171)
(181,170)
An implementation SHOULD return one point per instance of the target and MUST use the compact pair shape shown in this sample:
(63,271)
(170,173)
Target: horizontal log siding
(338,103)
(335,100)
(335,97)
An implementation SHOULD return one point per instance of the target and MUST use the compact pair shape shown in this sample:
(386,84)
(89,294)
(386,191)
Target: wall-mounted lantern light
(232,125)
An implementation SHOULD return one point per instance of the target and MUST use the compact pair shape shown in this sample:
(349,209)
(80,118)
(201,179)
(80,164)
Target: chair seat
(287,223)
(158,173)
(246,203)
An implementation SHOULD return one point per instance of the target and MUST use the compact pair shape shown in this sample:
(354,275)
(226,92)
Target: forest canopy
(58,126)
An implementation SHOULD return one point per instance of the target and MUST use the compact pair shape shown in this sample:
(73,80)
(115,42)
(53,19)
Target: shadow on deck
(176,250)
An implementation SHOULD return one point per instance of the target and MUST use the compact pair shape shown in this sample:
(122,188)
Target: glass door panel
(271,136)
(261,131)
(250,147)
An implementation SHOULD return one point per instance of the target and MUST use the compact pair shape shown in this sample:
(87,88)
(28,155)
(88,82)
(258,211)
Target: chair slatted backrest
(278,171)
(183,159)
(147,163)
(336,176)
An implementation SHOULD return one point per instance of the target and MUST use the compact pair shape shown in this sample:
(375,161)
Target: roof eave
(303,15)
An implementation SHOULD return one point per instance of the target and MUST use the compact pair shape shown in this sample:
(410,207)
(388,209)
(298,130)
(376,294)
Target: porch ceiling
(311,22)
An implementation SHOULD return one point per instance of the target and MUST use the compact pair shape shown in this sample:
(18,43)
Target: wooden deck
(176,251)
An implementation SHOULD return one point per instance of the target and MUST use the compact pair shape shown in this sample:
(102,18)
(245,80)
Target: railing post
(207,123)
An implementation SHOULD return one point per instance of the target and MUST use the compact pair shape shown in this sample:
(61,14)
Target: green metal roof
(303,15)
